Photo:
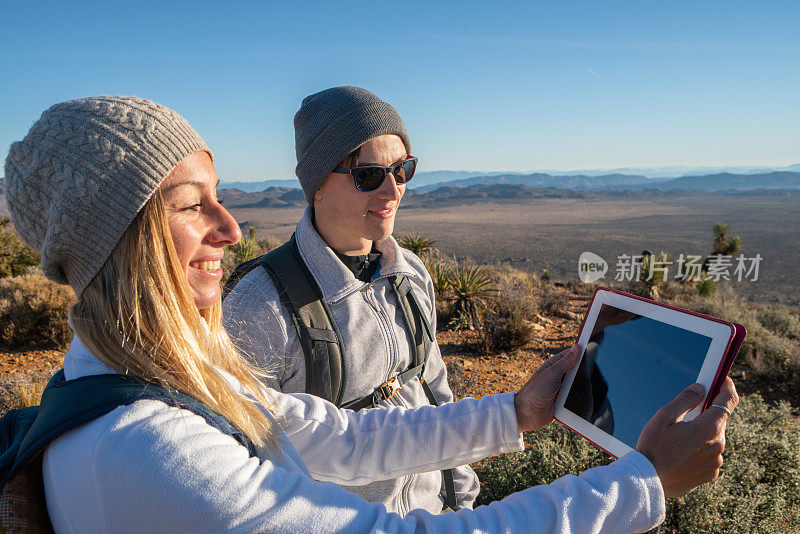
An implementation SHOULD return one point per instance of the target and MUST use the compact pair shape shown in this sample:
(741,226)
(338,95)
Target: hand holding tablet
(629,389)
(684,453)
(638,355)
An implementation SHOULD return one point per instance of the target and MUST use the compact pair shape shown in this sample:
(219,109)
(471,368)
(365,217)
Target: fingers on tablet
(684,402)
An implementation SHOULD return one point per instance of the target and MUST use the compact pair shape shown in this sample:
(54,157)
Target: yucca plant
(247,248)
(440,275)
(418,243)
(470,286)
(545,277)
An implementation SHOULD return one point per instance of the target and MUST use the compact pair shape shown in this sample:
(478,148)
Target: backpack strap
(302,298)
(67,404)
(322,342)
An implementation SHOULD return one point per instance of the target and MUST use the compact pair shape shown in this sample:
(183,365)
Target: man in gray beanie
(353,163)
(334,122)
(90,165)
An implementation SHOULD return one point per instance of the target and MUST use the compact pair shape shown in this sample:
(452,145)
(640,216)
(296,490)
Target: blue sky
(481,85)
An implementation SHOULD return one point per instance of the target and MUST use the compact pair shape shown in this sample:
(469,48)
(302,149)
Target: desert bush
(545,275)
(245,250)
(15,256)
(458,320)
(706,286)
(268,244)
(458,379)
(33,311)
(780,320)
(506,323)
(758,489)
(551,301)
(759,486)
(417,243)
(651,271)
(26,392)
(505,327)
(583,288)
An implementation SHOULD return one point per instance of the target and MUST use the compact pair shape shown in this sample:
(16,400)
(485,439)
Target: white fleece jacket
(149,467)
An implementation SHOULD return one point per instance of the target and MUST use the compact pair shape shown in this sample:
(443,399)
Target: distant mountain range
(711,182)
(626,186)
(275,193)
(539,180)
(583,179)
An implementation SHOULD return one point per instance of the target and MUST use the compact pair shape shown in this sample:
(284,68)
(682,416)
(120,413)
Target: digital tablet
(637,355)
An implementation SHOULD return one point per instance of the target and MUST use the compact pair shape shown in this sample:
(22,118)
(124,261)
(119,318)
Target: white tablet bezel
(720,334)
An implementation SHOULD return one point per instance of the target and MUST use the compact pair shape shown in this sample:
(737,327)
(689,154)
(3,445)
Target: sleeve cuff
(653,491)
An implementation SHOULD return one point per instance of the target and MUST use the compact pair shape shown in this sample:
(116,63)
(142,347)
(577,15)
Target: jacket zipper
(394,356)
(387,330)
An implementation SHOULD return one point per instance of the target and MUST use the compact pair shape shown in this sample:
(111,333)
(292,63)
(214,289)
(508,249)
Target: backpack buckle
(389,388)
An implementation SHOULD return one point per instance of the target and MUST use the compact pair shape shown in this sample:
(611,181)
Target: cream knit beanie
(83,172)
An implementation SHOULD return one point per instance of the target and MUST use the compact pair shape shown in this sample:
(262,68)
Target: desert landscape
(523,245)
(551,230)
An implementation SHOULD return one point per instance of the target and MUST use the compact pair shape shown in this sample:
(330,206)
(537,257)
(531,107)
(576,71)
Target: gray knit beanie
(83,172)
(334,122)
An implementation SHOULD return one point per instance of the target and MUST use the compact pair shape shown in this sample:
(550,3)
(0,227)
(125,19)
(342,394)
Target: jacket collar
(78,362)
(334,279)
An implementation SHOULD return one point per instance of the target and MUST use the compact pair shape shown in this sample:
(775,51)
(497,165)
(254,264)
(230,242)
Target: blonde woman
(119,196)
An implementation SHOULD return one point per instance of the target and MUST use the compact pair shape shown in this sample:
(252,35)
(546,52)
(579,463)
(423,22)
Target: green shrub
(15,256)
(758,489)
(33,311)
(459,320)
(706,286)
(781,321)
(724,245)
(759,486)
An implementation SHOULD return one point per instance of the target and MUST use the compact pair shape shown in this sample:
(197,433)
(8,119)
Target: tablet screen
(632,366)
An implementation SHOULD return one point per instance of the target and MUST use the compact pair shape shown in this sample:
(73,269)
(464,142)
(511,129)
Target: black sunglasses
(369,178)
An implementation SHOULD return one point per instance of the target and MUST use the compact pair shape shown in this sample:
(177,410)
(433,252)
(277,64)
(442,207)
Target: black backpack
(322,343)
(65,405)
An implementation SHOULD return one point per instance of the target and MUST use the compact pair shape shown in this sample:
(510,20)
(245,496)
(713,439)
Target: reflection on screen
(633,366)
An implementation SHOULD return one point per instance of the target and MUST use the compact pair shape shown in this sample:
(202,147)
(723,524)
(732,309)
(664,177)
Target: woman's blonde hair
(139,317)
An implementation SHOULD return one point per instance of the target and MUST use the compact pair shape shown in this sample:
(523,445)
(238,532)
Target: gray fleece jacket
(376,346)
